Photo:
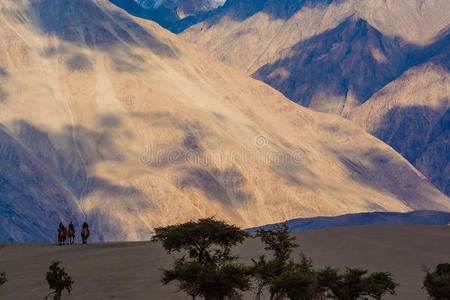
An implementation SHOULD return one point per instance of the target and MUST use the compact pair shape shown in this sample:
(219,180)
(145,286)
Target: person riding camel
(71,227)
(85,233)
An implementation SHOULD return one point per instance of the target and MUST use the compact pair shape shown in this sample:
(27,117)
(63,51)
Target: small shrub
(3,279)
(58,281)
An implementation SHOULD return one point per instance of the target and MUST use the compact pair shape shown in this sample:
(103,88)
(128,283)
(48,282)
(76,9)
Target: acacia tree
(207,268)
(58,281)
(296,282)
(437,283)
(354,284)
(380,283)
(278,240)
(280,274)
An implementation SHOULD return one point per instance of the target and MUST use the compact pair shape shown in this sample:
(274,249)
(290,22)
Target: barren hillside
(113,119)
(342,57)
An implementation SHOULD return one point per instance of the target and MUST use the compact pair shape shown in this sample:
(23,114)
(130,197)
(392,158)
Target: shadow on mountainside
(30,192)
(352,58)
(42,182)
(240,10)
(422,136)
(3,75)
(83,23)
(382,171)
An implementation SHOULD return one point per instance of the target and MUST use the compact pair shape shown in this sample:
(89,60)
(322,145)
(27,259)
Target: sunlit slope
(342,57)
(134,128)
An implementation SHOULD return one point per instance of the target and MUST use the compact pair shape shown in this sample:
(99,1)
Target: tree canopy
(280,274)
(354,284)
(437,283)
(58,281)
(198,238)
(208,268)
(3,279)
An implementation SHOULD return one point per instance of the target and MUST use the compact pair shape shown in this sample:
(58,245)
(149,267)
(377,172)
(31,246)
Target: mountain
(342,57)
(249,34)
(412,114)
(175,15)
(367,219)
(112,119)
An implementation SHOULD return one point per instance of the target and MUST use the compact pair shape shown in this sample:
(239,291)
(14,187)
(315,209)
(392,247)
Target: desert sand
(132,270)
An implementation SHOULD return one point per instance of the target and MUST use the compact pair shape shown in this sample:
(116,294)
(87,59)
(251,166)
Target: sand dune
(132,270)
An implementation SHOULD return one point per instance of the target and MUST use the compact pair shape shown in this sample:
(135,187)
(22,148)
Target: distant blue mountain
(362,219)
(174,15)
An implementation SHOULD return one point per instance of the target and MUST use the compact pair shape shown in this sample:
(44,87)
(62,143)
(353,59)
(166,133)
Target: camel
(84,234)
(71,236)
(62,234)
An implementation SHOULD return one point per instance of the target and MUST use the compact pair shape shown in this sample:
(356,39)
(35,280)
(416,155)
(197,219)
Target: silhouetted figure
(71,233)
(62,234)
(85,233)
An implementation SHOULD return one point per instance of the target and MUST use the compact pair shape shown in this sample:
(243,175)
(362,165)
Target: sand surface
(132,270)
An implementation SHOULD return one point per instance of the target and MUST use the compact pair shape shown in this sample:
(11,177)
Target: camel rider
(71,227)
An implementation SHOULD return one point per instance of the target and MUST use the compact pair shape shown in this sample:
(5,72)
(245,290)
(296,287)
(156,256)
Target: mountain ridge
(334,56)
(131,127)
(366,219)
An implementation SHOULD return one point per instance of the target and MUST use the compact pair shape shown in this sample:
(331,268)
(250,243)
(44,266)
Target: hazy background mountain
(113,119)
(367,219)
(382,63)
(175,15)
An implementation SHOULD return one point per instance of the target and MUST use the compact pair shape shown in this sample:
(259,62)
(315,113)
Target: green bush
(354,284)
(280,274)
(3,279)
(58,281)
(437,283)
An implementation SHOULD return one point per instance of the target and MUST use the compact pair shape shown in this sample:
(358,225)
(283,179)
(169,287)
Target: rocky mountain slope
(334,56)
(175,15)
(251,34)
(412,115)
(112,119)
